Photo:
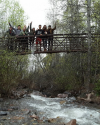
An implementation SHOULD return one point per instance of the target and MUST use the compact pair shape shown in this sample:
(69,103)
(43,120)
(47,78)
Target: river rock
(13,108)
(68,93)
(37,93)
(63,102)
(2,113)
(3,109)
(34,116)
(1,99)
(91,98)
(72,122)
(55,120)
(62,95)
(26,111)
(97,100)
(18,93)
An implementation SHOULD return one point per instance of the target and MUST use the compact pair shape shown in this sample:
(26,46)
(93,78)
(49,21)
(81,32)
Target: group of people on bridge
(40,35)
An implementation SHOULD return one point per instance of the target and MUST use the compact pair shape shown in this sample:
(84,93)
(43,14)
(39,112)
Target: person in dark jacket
(10,32)
(32,33)
(17,31)
(50,39)
(45,37)
(39,38)
(10,35)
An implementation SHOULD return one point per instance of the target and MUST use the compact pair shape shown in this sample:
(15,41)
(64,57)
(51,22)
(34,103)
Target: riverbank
(18,112)
(34,109)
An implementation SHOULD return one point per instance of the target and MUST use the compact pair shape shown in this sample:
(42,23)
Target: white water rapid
(52,108)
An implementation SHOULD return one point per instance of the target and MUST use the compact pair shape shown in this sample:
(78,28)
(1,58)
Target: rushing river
(52,108)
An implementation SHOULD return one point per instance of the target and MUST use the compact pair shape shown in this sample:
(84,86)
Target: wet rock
(45,119)
(71,99)
(2,113)
(72,122)
(68,93)
(52,120)
(1,99)
(34,116)
(4,109)
(91,98)
(13,108)
(62,102)
(28,95)
(19,93)
(17,118)
(55,120)
(37,93)
(26,111)
(40,121)
(62,95)
(97,100)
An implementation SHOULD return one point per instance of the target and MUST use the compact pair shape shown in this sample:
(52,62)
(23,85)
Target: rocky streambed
(36,109)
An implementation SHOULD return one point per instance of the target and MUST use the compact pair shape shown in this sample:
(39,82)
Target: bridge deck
(61,43)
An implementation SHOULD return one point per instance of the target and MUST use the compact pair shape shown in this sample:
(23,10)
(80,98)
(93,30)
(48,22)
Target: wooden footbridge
(55,43)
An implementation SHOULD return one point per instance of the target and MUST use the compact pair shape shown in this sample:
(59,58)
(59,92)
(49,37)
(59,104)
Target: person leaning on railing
(17,31)
(10,36)
(45,37)
(31,33)
(24,40)
(50,38)
(39,32)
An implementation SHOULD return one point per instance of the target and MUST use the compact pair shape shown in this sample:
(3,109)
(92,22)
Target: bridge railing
(54,43)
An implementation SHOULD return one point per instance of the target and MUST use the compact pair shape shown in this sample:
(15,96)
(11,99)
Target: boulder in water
(72,122)
(2,113)
(34,116)
(1,99)
(62,95)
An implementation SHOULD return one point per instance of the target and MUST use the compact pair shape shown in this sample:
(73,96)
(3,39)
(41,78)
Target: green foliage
(59,71)
(12,69)
(97,87)
(11,11)
(17,14)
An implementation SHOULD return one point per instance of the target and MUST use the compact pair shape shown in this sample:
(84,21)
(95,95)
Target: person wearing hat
(50,39)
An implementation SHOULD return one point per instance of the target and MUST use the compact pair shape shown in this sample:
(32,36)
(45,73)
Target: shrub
(12,69)
(97,87)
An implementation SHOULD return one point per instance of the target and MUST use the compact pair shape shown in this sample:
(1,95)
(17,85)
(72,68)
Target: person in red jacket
(39,38)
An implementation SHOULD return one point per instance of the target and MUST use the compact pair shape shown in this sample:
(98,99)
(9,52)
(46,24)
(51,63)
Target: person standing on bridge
(18,31)
(24,40)
(10,34)
(45,37)
(39,38)
(32,33)
(50,38)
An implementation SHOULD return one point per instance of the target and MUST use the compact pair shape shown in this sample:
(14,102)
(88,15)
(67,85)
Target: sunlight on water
(53,109)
